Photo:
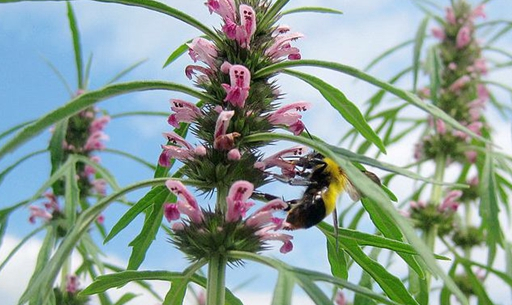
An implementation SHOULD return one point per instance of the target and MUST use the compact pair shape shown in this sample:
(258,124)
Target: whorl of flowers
(462,94)
(204,233)
(238,105)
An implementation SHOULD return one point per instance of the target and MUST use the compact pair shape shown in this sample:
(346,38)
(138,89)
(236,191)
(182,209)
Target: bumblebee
(324,181)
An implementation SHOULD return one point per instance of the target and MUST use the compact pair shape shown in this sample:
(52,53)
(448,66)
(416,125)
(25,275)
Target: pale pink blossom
(450,202)
(266,234)
(186,203)
(289,115)
(340,298)
(185,112)
(222,140)
(180,149)
(278,159)
(463,37)
(440,127)
(281,47)
(238,89)
(450,16)
(99,186)
(247,26)
(471,156)
(72,284)
(37,212)
(234,154)
(95,141)
(224,8)
(203,50)
(237,204)
(171,212)
(98,124)
(460,83)
(479,12)
(438,33)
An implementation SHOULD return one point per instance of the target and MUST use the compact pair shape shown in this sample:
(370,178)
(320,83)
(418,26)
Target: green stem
(430,235)
(216,285)
(221,205)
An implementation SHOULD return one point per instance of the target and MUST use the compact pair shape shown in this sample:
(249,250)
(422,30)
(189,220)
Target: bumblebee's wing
(354,193)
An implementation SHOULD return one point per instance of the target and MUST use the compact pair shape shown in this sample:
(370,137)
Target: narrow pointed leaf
(312,9)
(176,54)
(77,47)
(126,71)
(418,46)
(283,291)
(346,108)
(88,99)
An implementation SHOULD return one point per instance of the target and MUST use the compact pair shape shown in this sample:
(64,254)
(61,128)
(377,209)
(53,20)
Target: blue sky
(119,36)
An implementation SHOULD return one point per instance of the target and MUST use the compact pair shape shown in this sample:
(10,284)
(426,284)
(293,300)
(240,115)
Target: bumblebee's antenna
(307,131)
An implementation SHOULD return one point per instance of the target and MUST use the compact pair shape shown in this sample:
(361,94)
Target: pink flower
(203,50)
(98,124)
(289,116)
(480,66)
(247,26)
(72,283)
(234,154)
(95,141)
(340,298)
(440,127)
(438,33)
(463,37)
(460,83)
(263,216)
(222,140)
(478,12)
(171,212)
(277,159)
(482,92)
(450,201)
(237,202)
(281,47)
(224,8)
(471,155)
(186,203)
(202,78)
(238,90)
(181,149)
(37,212)
(183,112)
(101,219)
(266,234)
(99,186)
(450,16)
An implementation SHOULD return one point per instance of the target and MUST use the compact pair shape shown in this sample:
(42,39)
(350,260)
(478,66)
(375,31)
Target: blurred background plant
(234,119)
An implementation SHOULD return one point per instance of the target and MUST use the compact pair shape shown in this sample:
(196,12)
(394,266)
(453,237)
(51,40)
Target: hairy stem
(216,285)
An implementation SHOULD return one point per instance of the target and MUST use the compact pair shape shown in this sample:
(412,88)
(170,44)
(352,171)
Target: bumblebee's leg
(335,224)
(269,197)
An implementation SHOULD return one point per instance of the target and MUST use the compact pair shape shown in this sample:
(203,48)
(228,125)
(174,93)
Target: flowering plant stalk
(461,217)
(216,143)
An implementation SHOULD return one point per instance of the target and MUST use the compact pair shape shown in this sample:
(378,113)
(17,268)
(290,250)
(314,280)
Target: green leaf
(73,26)
(19,245)
(60,76)
(143,241)
(170,11)
(405,95)
(141,205)
(283,291)
(88,99)
(311,9)
(346,108)
(130,156)
(390,284)
(389,229)
(336,257)
(478,288)
(387,53)
(489,209)
(434,68)
(418,46)
(177,54)
(71,196)
(385,166)
(18,162)
(126,71)
(125,298)
(272,12)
